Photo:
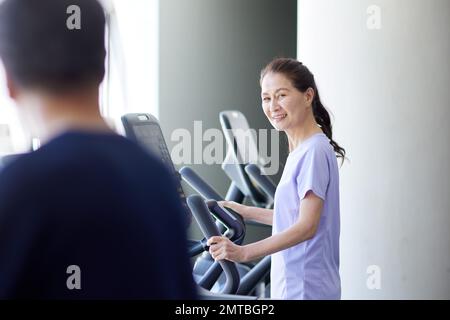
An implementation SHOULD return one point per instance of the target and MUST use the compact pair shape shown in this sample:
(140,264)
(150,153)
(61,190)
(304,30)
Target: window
(12,137)
(131,80)
(131,83)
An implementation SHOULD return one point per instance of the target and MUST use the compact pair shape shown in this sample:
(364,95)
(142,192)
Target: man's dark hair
(39,50)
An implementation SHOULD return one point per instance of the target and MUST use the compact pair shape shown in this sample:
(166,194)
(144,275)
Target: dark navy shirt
(98,202)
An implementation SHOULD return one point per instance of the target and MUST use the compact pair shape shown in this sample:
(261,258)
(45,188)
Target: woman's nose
(273,105)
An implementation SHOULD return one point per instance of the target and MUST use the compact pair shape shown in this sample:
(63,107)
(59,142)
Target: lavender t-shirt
(309,270)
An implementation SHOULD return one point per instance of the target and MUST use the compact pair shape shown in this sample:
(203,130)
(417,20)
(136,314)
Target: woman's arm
(260,215)
(304,229)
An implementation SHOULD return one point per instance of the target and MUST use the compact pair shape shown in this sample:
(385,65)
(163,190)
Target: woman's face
(284,105)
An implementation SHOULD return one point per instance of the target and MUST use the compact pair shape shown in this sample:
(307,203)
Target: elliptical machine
(144,129)
(243,165)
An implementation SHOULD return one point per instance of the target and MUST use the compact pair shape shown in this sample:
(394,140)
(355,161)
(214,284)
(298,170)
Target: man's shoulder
(19,165)
(18,182)
(78,158)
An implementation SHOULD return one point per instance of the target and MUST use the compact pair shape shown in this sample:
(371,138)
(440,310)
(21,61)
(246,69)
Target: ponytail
(322,118)
(302,79)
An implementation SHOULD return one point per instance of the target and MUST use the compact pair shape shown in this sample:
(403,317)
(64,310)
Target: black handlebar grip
(209,229)
(199,185)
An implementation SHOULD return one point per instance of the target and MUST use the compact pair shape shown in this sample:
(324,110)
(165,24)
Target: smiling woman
(306,217)
(293,91)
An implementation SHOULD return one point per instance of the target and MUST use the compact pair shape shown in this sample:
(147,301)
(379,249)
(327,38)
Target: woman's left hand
(222,248)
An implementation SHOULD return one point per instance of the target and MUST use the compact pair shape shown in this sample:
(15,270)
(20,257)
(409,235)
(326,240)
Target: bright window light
(131,83)
(131,80)
(12,138)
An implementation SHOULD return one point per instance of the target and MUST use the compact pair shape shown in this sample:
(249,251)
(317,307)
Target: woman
(305,236)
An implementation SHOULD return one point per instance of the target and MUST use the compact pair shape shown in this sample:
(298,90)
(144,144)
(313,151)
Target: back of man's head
(53,45)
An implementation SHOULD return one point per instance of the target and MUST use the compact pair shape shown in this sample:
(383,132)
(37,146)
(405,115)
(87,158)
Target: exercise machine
(243,164)
(145,130)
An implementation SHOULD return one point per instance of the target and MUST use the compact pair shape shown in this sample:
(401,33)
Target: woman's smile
(278,117)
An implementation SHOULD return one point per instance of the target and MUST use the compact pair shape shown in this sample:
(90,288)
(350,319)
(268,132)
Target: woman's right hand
(239,208)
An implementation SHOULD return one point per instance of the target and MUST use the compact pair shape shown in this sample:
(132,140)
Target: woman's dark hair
(302,79)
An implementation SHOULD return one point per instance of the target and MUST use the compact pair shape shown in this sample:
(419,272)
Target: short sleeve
(314,173)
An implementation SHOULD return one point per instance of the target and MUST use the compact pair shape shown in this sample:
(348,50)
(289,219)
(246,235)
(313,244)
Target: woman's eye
(266,99)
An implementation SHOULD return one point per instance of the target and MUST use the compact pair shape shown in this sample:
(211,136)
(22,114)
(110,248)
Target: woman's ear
(309,96)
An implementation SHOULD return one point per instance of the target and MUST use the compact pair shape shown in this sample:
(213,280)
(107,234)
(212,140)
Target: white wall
(389,92)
